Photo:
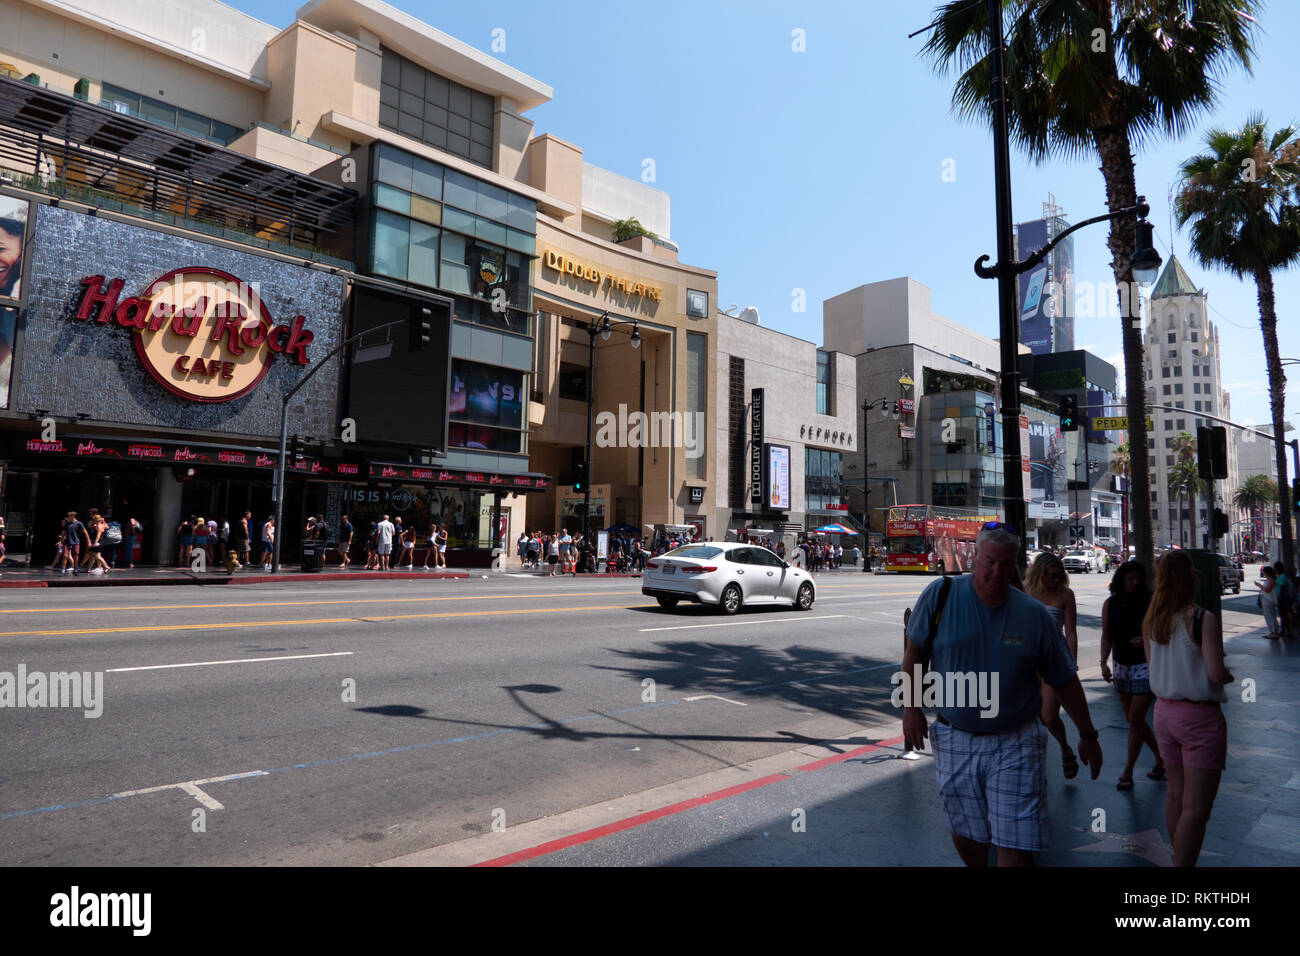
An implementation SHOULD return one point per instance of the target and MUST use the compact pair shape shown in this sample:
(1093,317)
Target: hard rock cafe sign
(202,334)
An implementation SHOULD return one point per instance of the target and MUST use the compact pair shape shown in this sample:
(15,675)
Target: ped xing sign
(1117,424)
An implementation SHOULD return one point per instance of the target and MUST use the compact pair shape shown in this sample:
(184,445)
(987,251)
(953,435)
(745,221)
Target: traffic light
(1212,452)
(1220,523)
(1068,411)
(580,477)
(421,327)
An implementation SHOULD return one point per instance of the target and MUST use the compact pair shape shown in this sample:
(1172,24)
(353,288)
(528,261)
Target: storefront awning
(490,480)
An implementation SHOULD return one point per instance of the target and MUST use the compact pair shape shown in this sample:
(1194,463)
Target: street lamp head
(605,330)
(636,336)
(884,408)
(1145,261)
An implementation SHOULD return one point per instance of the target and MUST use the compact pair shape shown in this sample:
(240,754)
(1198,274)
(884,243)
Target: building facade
(376,154)
(787,433)
(1183,373)
(1074,490)
(940,440)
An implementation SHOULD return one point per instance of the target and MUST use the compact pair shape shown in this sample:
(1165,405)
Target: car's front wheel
(667,601)
(804,601)
(729,602)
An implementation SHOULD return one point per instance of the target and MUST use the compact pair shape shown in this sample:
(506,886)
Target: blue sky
(823,169)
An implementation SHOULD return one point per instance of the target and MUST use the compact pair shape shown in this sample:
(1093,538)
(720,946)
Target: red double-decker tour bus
(924,539)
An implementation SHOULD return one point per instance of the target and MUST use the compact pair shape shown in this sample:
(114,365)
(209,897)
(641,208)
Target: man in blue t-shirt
(991,645)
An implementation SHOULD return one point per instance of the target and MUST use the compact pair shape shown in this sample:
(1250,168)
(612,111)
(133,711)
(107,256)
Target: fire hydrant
(232,561)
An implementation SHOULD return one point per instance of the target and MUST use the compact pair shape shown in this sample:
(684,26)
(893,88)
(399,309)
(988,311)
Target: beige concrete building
(1183,371)
(809,431)
(454,194)
(652,403)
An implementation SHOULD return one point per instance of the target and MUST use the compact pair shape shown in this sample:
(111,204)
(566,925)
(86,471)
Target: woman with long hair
(1121,635)
(1047,583)
(1185,649)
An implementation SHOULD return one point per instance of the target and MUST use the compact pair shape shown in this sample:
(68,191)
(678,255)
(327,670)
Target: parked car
(727,574)
(1081,559)
(1230,576)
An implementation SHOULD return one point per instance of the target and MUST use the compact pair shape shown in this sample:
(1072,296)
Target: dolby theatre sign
(201,333)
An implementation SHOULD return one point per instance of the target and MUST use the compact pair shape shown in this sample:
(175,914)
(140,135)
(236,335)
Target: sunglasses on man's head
(995,525)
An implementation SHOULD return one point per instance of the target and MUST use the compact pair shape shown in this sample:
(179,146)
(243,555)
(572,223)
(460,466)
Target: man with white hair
(977,630)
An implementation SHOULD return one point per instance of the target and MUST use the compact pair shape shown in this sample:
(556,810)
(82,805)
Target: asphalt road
(229,735)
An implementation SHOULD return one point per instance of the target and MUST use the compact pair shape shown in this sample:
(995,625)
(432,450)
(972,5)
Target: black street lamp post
(1145,262)
(883,405)
(604,328)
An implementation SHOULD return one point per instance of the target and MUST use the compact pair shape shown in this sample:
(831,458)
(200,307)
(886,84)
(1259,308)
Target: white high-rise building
(1182,371)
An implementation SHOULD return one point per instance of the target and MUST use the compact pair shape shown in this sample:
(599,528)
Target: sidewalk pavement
(852,802)
(21,576)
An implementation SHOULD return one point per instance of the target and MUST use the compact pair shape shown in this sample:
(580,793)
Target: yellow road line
(189,607)
(320,620)
(407,600)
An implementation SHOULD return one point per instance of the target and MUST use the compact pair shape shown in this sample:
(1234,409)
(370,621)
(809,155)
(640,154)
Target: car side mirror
(785,564)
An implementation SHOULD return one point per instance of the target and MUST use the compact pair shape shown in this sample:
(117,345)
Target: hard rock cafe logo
(201,333)
(489,268)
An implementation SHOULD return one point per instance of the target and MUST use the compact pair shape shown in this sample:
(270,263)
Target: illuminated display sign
(201,333)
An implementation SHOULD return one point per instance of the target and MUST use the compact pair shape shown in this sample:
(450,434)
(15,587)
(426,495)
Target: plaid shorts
(994,787)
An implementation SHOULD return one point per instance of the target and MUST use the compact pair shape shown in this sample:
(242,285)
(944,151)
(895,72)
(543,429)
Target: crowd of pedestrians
(991,766)
(96,546)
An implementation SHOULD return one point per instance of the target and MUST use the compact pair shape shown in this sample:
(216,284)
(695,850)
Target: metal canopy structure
(68,147)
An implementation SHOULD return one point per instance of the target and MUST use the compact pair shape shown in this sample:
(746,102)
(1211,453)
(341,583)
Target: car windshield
(694,551)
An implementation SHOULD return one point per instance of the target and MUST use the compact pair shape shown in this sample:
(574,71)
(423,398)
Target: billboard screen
(13,239)
(1035,323)
(486,407)
(778,477)
(397,395)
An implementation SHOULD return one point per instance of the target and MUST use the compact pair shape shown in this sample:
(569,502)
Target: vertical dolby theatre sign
(202,334)
(756,403)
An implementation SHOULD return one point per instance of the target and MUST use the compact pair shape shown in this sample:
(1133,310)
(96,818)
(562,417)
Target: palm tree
(1186,474)
(1243,201)
(1094,77)
(1254,495)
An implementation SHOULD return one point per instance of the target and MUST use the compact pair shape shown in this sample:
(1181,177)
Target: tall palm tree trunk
(1276,399)
(1117,168)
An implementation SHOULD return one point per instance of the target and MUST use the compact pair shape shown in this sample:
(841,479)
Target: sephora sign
(201,333)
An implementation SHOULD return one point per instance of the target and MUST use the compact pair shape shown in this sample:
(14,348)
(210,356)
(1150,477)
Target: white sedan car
(728,574)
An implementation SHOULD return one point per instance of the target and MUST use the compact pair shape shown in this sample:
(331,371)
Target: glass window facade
(436,111)
(965,462)
(825,383)
(822,479)
(445,230)
(164,114)
(697,370)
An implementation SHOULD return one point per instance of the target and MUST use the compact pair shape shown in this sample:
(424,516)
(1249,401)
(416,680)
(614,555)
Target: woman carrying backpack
(1185,649)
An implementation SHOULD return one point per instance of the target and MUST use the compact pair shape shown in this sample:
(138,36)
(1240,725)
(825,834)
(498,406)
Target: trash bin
(312,552)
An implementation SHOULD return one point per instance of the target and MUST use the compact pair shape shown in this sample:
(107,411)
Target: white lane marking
(687,627)
(242,660)
(192,788)
(716,697)
(202,797)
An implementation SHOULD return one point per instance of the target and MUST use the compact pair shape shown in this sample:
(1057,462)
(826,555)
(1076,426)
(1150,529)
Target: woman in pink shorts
(1185,649)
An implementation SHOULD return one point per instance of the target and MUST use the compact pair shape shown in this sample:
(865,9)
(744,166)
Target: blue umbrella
(834,529)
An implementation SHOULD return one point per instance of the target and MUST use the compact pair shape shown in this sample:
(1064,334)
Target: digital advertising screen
(778,477)
(398,394)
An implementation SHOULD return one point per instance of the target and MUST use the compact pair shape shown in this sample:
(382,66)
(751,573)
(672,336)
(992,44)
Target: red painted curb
(586,836)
